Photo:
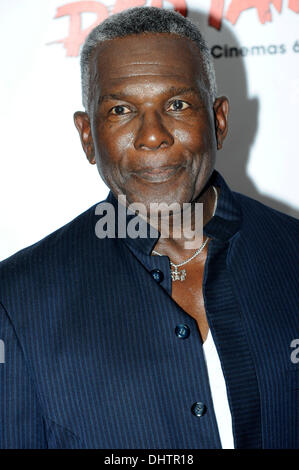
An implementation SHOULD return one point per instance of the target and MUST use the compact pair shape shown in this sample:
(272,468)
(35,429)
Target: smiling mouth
(157,175)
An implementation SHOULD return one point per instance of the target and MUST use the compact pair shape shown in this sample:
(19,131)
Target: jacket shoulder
(260,216)
(50,248)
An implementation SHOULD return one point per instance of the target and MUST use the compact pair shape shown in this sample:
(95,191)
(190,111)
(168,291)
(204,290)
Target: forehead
(148,56)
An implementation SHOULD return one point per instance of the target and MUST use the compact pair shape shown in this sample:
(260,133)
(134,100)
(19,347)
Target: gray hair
(144,20)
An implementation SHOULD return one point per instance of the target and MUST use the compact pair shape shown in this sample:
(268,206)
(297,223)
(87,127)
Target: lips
(157,175)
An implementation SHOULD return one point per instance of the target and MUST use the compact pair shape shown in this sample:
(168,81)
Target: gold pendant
(178,275)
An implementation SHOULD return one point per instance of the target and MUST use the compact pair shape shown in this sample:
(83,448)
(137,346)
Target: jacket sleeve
(21,422)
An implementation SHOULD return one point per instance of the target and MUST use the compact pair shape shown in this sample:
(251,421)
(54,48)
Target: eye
(178,105)
(120,110)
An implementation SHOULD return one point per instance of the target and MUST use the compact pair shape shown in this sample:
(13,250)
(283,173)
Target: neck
(179,248)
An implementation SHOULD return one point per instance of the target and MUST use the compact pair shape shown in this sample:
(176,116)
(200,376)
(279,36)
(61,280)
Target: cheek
(112,150)
(198,139)
(123,142)
(112,143)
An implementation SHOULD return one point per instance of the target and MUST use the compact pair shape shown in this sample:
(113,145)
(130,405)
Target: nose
(152,133)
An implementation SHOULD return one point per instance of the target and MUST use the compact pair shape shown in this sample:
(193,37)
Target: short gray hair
(140,20)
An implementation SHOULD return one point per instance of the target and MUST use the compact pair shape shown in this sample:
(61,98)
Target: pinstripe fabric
(92,360)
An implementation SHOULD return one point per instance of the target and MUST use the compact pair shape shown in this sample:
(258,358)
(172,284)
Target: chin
(162,197)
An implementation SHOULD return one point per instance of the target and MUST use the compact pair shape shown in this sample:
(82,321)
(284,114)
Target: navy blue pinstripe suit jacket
(91,355)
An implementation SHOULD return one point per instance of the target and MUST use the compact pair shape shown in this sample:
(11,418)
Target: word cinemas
(150,459)
(219,51)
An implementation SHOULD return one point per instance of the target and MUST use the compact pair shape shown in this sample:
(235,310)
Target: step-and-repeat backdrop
(45,178)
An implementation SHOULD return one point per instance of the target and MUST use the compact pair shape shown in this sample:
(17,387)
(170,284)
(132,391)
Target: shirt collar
(223,225)
(228,216)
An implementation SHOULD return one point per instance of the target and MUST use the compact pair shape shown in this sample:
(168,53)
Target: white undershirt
(219,393)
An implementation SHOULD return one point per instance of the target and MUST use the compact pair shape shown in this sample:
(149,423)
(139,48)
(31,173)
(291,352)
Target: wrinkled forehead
(148,54)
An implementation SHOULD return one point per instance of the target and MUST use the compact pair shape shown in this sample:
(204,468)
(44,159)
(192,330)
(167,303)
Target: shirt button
(157,275)
(198,408)
(182,331)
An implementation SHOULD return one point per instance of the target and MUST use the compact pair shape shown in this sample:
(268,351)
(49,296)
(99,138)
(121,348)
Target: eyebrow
(172,90)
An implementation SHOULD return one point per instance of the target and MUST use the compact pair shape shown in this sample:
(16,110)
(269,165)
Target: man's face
(151,127)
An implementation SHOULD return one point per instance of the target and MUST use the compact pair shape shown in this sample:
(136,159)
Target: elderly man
(125,342)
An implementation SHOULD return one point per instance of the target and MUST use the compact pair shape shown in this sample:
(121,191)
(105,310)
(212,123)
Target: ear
(82,124)
(221,108)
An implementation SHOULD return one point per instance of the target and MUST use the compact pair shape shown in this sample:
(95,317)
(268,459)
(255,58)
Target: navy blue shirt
(95,356)
(223,314)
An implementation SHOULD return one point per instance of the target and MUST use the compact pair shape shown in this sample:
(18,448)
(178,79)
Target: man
(126,342)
